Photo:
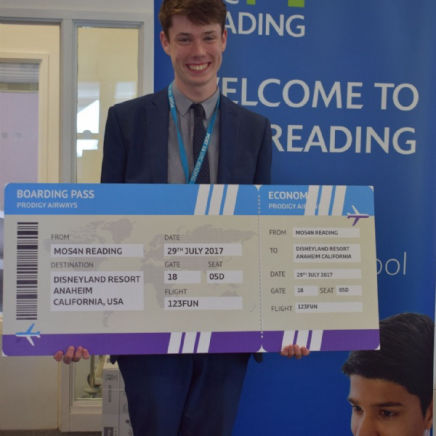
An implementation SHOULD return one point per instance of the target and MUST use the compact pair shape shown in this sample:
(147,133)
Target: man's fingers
(58,356)
(80,353)
(77,354)
(69,355)
(294,351)
(288,351)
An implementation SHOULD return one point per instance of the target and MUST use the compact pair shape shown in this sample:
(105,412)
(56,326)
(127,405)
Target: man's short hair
(405,357)
(197,11)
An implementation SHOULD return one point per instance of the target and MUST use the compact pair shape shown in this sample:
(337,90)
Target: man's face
(196,54)
(384,408)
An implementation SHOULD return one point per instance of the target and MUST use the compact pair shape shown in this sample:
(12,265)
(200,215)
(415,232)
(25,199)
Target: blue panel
(349,88)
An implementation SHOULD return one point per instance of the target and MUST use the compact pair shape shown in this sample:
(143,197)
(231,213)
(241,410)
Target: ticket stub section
(319,267)
(322,276)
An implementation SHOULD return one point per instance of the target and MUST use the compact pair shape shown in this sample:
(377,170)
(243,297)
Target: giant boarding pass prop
(129,269)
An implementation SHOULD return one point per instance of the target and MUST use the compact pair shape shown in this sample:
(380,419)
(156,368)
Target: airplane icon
(356,215)
(29,334)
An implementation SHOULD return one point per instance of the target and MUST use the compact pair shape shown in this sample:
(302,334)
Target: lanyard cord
(206,142)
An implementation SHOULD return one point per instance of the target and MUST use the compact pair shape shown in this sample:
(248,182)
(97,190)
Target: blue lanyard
(206,141)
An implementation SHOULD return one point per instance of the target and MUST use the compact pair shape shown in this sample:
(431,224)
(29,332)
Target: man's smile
(198,67)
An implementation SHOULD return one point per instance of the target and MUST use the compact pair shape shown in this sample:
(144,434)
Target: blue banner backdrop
(349,87)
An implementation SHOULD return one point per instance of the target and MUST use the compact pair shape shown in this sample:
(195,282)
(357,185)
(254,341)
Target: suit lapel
(157,136)
(229,133)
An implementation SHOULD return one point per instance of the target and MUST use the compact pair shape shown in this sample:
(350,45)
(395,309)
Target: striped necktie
(197,143)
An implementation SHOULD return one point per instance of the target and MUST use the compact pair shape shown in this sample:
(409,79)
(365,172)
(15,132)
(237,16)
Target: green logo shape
(291,3)
(296,3)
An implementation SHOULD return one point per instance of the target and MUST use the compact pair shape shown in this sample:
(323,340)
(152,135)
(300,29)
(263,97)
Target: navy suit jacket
(136,143)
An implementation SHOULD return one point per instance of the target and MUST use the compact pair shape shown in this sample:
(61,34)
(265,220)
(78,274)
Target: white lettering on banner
(340,139)
(413,92)
(265,24)
(393,266)
(295,93)
(261,92)
(334,94)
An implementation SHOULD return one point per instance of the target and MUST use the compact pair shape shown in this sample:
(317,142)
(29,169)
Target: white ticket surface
(188,268)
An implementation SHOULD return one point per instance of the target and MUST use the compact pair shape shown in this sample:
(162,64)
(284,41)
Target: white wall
(29,386)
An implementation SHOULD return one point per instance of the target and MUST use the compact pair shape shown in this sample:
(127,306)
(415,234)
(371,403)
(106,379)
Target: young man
(150,140)
(391,390)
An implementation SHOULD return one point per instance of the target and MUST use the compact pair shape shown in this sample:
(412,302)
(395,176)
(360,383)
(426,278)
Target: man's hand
(295,351)
(72,354)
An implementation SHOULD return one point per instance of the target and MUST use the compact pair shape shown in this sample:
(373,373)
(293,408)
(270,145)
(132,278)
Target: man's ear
(428,417)
(164,42)
(224,39)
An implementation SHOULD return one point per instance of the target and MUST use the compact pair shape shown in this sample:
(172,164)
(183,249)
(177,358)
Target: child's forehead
(377,390)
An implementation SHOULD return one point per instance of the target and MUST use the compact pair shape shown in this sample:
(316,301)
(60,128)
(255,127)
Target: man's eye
(183,40)
(356,409)
(386,413)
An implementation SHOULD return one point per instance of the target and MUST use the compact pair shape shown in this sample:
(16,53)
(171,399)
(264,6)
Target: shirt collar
(183,103)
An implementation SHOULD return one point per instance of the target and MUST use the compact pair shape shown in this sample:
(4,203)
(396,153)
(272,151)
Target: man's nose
(198,47)
(367,426)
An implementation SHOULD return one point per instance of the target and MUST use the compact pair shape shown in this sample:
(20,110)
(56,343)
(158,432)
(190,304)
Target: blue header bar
(185,199)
